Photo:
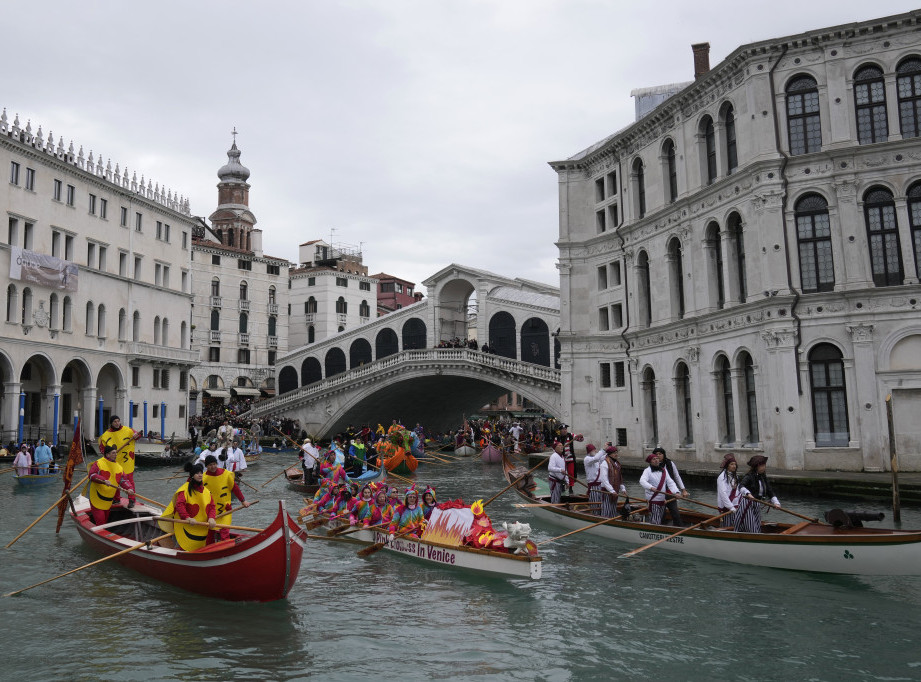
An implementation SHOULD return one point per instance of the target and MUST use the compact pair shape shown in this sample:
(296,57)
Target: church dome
(233,170)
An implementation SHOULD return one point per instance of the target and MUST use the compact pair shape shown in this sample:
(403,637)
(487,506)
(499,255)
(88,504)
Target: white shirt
(723,491)
(604,478)
(650,482)
(592,463)
(201,456)
(311,455)
(556,467)
(236,460)
(677,477)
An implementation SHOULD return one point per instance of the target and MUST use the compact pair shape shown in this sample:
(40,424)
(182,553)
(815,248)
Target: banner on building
(46,271)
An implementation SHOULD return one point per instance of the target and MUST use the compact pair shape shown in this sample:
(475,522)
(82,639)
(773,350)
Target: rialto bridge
(396,366)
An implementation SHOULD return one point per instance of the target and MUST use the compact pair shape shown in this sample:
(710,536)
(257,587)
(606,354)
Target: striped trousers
(748,516)
(656,512)
(556,490)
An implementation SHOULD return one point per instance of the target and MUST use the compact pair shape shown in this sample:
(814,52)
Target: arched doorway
(334,362)
(310,371)
(108,382)
(359,353)
(287,379)
(535,342)
(36,376)
(386,343)
(502,335)
(414,334)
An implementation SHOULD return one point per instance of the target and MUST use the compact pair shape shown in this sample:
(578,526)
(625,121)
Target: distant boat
(491,454)
(465,450)
(35,480)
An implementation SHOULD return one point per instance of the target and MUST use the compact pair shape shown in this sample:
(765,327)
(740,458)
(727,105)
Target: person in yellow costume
(193,502)
(122,437)
(223,485)
(106,477)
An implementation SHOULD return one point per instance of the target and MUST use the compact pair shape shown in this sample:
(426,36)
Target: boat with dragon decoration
(260,566)
(841,546)
(395,451)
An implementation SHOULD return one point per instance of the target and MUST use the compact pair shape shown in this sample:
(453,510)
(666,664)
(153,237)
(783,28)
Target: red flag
(75,458)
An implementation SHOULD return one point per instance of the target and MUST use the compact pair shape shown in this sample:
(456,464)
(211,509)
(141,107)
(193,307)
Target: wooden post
(894,463)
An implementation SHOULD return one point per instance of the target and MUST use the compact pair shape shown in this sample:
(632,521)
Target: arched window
(671,171)
(829,396)
(644,286)
(54,312)
(639,188)
(729,133)
(215,287)
(90,318)
(737,247)
(310,305)
(67,315)
(908,83)
(164,333)
(709,135)
(27,306)
(652,406)
(215,320)
(804,125)
(136,326)
(364,310)
(122,325)
(683,400)
(183,335)
(750,404)
(311,334)
(717,282)
(914,218)
(244,323)
(676,272)
(883,237)
(870,103)
(101,321)
(724,394)
(272,295)
(342,308)
(244,291)
(273,325)
(157,330)
(12,303)
(231,238)
(813,234)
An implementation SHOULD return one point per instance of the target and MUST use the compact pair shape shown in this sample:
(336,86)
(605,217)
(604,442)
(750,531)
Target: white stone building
(239,318)
(331,292)
(739,267)
(115,338)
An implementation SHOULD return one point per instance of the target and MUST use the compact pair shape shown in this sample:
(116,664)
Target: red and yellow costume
(481,534)
(193,502)
(102,495)
(222,484)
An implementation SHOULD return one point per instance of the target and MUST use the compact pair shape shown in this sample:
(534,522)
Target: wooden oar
(7,470)
(579,530)
(251,487)
(93,563)
(513,483)
(802,516)
(348,530)
(674,535)
(390,473)
(331,538)
(140,497)
(557,504)
(377,546)
(276,476)
(44,514)
(217,526)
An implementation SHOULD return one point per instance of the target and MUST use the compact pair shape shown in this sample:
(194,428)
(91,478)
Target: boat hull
(35,480)
(261,567)
(465,451)
(491,454)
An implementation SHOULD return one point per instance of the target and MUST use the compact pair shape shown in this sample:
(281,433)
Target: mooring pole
(894,463)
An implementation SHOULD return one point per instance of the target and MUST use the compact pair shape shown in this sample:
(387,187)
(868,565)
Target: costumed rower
(222,484)
(365,511)
(192,501)
(556,470)
(123,438)
(408,518)
(42,457)
(428,502)
(106,477)
(754,486)
(727,488)
(609,470)
(655,481)
(23,461)
(236,460)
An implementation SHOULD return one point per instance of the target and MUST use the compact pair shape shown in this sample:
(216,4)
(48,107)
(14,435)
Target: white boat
(465,450)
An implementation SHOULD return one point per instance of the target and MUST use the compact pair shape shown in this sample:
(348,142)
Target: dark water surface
(658,616)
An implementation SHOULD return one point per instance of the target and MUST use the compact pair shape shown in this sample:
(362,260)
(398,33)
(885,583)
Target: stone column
(892,108)
(730,278)
(46,422)
(87,410)
(788,421)
(9,419)
(866,413)
(909,267)
(854,247)
(737,378)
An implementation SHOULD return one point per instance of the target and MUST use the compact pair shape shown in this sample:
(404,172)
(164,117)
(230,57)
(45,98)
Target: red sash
(658,490)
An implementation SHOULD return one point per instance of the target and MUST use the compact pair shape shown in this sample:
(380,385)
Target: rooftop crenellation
(93,164)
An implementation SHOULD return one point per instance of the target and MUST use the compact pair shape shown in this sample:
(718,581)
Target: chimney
(701,59)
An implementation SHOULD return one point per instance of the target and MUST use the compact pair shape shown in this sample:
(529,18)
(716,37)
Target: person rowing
(754,488)
(192,501)
(657,484)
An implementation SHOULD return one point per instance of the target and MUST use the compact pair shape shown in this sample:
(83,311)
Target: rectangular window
(123,220)
(159,229)
(68,247)
(600,222)
(603,322)
(183,380)
(134,411)
(137,268)
(605,378)
(599,190)
(166,276)
(71,194)
(386,287)
(185,239)
(123,264)
(272,270)
(27,236)
(621,438)
(90,255)
(615,274)
(602,278)
(185,281)
(311,281)
(30,179)
(14,173)
(182,411)
(156,409)
(156,379)
(364,286)
(158,276)
(215,260)
(399,288)
(244,264)
(102,258)
(617,316)
(243,356)
(55,243)
(613,220)
(164,378)
(12,235)
(138,222)
(104,208)
(612,183)
(342,282)
(135,377)
(58,186)
(214,354)
(619,378)
(166,232)
(272,354)
(92,205)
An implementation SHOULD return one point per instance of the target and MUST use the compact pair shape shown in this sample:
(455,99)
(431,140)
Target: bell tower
(232,221)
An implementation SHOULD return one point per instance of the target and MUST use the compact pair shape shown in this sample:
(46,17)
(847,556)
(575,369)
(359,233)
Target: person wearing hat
(408,518)
(727,488)
(568,453)
(598,486)
(223,486)
(123,438)
(657,484)
(105,474)
(609,470)
(191,502)
(672,469)
(753,488)
(310,460)
(23,461)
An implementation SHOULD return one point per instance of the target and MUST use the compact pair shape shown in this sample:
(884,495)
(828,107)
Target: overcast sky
(418,129)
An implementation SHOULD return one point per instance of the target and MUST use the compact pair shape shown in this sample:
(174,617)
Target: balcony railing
(273,309)
(148,351)
(341,318)
(216,302)
(243,306)
(364,320)
(244,339)
(273,342)
(215,336)
(309,318)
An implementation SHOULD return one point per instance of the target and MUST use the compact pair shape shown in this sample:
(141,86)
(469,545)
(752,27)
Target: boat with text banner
(35,480)
(841,546)
(247,567)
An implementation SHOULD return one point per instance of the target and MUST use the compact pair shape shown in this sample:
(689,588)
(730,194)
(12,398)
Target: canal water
(593,616)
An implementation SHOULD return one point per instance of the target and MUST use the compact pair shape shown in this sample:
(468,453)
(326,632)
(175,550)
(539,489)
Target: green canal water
(592,617)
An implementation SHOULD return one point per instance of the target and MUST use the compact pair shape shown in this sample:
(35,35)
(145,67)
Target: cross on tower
(234,133)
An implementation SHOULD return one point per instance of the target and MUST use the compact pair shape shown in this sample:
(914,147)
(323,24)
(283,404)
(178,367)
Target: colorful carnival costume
(222,485)
(408,518)
(192,501)
(106,476)
(123,439)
